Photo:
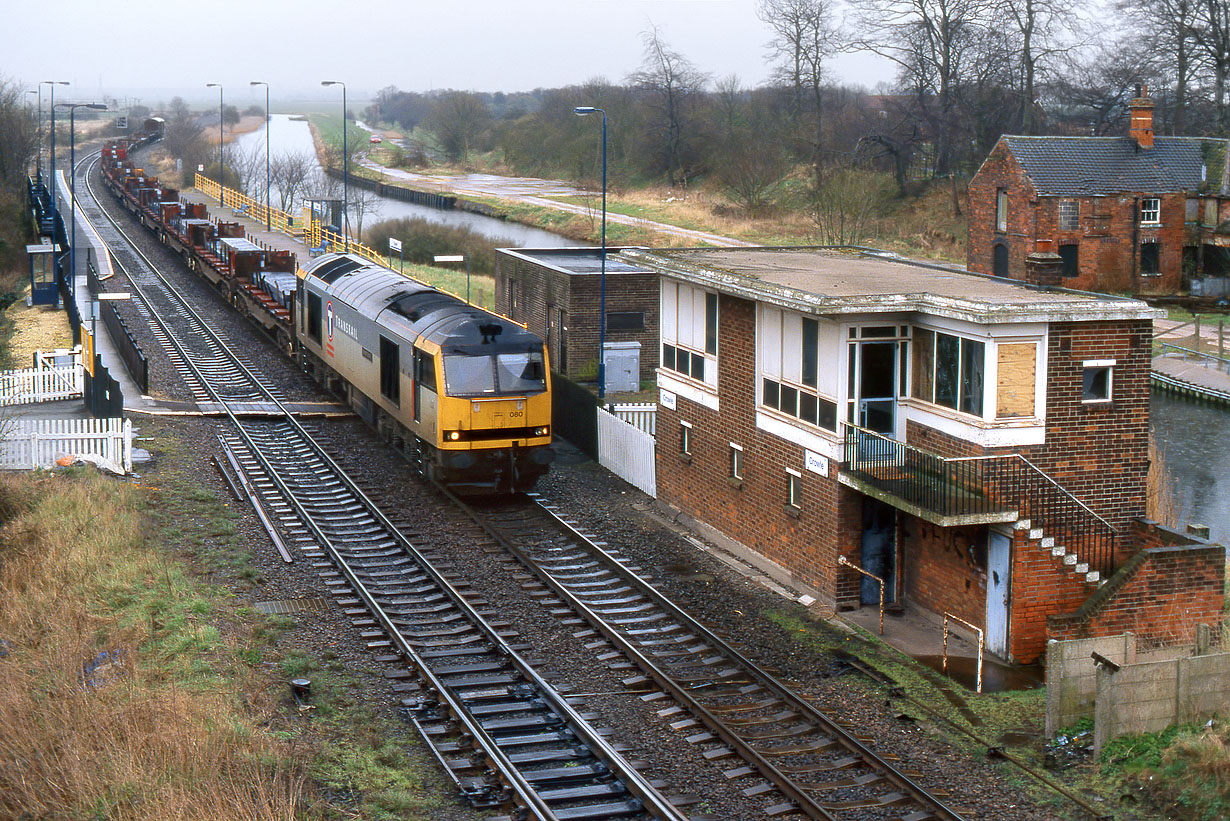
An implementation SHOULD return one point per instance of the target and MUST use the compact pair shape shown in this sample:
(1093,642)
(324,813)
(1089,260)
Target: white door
(999,570)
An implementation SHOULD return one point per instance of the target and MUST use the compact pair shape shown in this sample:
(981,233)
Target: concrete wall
(1149,697)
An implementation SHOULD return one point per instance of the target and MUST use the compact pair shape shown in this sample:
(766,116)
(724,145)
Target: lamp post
(221,126)
(581,111)
(345,168)
(72,164)
(53,84)
(267,124)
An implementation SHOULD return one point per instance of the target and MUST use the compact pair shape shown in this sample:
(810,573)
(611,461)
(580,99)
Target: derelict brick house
(556,293)
(979,444)
(1140,213)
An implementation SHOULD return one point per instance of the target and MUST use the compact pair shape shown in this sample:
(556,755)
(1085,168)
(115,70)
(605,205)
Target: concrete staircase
(1092,579)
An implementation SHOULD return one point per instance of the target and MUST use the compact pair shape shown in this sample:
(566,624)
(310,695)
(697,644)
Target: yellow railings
(244,205)
(320,238)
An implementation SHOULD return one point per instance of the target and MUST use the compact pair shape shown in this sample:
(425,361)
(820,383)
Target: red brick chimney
(1043,267)
(1141,128)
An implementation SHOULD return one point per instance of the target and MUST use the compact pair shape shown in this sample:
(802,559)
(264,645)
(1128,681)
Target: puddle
(996,678)
(686,573)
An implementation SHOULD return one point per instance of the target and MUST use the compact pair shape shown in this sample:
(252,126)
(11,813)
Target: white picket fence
(626,444)
(641,415)
(41,384)
(26,444)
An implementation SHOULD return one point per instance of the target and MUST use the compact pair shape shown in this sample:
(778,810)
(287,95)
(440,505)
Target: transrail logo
(329,327)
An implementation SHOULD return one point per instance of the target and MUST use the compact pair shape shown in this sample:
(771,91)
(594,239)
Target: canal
(1193,444)
(290,134)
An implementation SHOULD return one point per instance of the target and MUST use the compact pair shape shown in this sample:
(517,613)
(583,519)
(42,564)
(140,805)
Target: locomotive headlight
(453,435)
(542,431)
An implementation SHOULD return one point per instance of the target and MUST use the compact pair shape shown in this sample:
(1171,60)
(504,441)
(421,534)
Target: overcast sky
(160,49)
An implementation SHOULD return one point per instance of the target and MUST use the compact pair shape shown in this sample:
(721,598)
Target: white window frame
(685,438)
(736,462)
(1151,211)
(1001,210)
(1099,364)
(684,326)
(794,489)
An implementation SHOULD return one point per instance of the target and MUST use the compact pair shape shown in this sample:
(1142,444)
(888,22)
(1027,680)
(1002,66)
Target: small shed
(43,280)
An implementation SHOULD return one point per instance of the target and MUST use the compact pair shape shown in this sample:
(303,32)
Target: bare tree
(803,37)
(847,203)
(933,42)
(458,119)
(1169,26)
(18,135)
(1040,30)
(671,83)
(290,173)
(1212,37)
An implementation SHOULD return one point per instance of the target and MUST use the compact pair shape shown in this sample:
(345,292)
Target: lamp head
(331,82)
(55,82)
(582,110)
(213,85)
(257,83)
(95,106)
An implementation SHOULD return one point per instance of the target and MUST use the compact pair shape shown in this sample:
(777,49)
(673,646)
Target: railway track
(506,737)
(802,761)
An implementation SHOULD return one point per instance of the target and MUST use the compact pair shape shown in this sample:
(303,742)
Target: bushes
(422,239)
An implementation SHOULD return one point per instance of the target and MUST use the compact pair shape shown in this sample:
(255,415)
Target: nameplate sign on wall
(816,463)
(668,400)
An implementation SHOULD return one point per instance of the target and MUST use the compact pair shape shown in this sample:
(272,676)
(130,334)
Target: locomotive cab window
(499,375)
(390,370)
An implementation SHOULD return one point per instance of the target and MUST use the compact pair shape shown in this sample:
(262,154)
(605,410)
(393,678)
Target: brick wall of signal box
(756,513)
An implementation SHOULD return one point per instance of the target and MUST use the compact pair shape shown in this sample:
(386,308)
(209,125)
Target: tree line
(967,71)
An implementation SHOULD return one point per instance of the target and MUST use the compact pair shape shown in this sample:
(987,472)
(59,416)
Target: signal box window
(1097,381)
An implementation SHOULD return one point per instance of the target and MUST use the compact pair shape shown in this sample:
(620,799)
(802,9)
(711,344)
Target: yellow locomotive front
(493,416)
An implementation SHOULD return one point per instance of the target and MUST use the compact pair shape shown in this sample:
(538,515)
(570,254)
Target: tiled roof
(1080,166)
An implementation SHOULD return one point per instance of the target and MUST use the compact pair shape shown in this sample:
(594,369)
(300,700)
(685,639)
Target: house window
(948,370)
(685,438)
(792,369)
(689,332)
(1001,211)
(1070,254)
(1150,211)
(794,489)
(1097,380)
(1069,215)
(1017,368)
(1150,258)
(736,462)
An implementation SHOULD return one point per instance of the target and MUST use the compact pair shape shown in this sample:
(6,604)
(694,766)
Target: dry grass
(171,732)
(29,329)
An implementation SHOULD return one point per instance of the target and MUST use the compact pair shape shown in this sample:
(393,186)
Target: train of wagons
(463,392)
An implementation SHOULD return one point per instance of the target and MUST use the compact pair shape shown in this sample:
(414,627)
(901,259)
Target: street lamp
(267,124)
(345,168)
(53,84)
(581,111)
(72,162)
(221,125)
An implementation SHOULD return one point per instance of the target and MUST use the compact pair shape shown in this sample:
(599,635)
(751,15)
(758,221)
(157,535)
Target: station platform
(255,228)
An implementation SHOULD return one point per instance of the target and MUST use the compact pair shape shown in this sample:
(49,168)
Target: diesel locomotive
(464,393)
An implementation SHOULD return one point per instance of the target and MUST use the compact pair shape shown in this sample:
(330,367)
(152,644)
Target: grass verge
(135,684)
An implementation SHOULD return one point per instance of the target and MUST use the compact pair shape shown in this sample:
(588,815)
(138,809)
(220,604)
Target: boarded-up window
(1017,362)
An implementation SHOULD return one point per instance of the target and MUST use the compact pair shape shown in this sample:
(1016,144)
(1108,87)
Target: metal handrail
(842,560)
(974,485)
(1188,352)
(981,636)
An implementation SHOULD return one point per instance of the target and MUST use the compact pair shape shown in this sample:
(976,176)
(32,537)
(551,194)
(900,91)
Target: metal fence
(982,486)
(39,443)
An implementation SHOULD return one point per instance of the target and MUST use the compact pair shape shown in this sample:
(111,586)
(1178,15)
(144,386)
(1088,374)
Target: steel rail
(779,779)
(636,784)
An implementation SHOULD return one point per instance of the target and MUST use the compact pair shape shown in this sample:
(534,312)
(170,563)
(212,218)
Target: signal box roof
(835,281)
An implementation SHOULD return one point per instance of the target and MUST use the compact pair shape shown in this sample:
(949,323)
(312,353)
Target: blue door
(999,583)
(879,551)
